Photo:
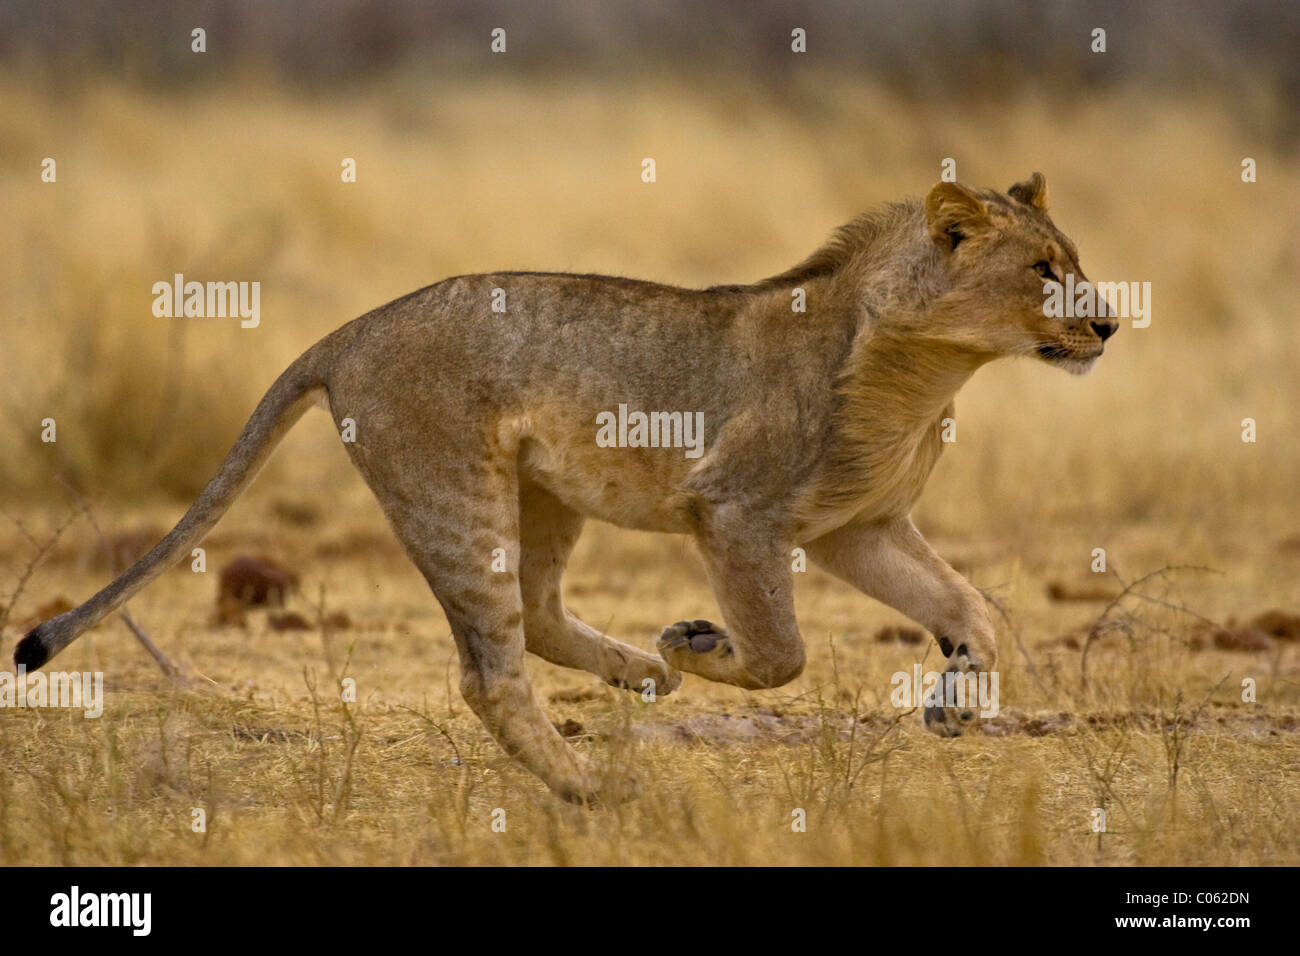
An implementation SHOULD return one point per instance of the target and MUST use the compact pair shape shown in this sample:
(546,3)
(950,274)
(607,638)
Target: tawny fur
(476,431)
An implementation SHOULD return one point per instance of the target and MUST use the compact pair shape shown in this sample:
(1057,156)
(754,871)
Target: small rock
(1278,624)
(892,633)
(288,621)
(570,728)
(337,621)
(256,581)
(1242,639)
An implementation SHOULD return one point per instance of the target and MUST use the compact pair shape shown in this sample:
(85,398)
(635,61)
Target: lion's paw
(952,721)
(688,641)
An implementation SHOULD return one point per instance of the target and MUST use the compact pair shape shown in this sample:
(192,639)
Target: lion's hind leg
(455,524)
(548,531)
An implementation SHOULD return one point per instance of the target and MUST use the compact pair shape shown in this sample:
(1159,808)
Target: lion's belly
(631,488)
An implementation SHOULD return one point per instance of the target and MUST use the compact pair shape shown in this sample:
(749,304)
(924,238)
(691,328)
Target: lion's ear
(953,212)
(1032,192)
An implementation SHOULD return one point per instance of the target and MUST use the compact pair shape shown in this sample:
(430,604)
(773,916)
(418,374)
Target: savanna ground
(1143,458)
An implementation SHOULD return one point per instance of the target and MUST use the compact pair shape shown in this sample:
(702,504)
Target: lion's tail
(281,407)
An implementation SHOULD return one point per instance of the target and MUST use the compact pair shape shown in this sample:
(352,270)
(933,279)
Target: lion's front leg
(891,562)
(761,647)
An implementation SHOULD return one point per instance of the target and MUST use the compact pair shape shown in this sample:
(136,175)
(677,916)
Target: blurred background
(226,165)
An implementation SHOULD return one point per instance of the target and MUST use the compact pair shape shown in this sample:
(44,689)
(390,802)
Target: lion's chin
(1079,366)
(1062,358)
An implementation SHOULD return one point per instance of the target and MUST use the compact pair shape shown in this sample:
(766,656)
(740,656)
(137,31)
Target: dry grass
(287,773)
(1142,458)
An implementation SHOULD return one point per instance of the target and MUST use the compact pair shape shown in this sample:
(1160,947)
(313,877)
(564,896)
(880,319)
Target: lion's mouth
(1068,359)
(1053,352)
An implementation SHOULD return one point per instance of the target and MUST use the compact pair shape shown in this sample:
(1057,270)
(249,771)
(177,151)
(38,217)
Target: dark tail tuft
(32,651)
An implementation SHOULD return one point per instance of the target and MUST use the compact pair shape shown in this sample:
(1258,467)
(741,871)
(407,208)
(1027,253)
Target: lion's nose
(1106,329)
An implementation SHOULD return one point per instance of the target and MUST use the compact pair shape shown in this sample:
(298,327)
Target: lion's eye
(1044,269)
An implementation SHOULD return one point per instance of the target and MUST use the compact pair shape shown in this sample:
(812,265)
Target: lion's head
(1001,252)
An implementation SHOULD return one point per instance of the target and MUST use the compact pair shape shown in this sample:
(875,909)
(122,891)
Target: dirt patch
(571,728)
(726,729)
(269,735)
(575,695)
(1067,591)
(747,729)
(1263,632)
(288,621)
(892,634)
